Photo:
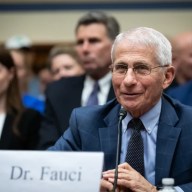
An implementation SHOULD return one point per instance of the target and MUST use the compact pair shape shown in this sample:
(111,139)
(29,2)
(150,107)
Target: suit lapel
(108,137)
(69,99)
(167,137)
(76,87)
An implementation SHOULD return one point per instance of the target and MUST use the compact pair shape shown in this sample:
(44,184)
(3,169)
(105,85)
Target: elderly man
(156,132)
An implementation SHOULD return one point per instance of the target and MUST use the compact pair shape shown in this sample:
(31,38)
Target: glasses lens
(142,69)
(120,69)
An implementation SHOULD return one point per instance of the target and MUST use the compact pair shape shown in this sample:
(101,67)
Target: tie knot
(136,124)
(96,87)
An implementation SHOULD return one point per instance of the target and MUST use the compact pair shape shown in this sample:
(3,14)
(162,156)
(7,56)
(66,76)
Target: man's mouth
(131,95)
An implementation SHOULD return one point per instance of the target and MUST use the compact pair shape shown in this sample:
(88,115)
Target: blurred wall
(58,26)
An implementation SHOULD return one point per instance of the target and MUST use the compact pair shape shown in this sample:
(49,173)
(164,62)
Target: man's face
(137,93)
(93,47)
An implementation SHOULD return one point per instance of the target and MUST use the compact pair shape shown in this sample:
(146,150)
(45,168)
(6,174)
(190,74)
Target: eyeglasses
(140,69)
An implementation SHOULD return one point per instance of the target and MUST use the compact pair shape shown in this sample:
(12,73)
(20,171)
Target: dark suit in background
(99,133)
(61,98)
(183,93)
(28,131)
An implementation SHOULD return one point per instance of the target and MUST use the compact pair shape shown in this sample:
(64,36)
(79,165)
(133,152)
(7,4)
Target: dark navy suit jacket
(95,129)
(61,98)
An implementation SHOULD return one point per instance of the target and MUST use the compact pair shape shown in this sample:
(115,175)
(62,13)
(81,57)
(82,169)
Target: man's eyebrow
(120,63)
(94,39)
(141,62)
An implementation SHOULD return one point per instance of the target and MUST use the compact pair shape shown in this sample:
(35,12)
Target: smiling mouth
(131,94)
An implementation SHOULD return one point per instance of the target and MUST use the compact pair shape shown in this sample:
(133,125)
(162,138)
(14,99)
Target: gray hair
(147,37)
(111,24)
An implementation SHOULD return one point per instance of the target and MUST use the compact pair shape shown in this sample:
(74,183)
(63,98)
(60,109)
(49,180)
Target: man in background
(182,57)
(181,87)
(95,33)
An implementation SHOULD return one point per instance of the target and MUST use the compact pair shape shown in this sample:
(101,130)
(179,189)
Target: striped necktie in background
(93,98)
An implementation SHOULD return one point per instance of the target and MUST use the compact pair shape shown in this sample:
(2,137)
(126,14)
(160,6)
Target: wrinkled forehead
(126,47)
(130,43)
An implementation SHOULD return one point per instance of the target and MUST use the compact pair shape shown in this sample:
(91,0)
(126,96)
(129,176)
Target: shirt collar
(102,82)
(149,119)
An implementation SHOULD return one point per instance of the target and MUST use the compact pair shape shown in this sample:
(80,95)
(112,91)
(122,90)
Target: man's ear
(168,76)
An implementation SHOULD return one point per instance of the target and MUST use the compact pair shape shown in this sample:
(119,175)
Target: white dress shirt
(104,86)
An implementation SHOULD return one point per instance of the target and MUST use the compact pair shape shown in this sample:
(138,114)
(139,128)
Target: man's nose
(130,77)
(85,46)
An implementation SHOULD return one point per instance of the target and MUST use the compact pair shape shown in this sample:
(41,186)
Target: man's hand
(105,186)
(128,178)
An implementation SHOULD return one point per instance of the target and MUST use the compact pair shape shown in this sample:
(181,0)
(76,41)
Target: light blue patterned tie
(93,98)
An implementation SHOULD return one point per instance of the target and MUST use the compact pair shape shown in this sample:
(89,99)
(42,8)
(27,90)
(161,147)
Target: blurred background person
(182,58)
(45,77)
(29,86)
(95,33)
(64,62)
(181,88)
(19,126)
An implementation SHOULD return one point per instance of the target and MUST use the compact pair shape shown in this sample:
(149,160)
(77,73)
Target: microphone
(122,115)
